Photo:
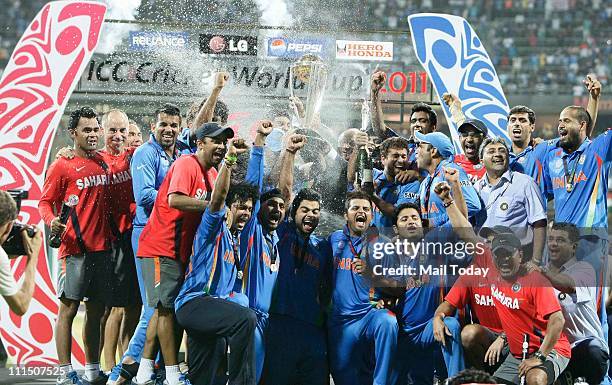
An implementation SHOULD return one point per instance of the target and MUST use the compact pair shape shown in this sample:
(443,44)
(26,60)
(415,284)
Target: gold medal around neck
(569,187)
(239,275)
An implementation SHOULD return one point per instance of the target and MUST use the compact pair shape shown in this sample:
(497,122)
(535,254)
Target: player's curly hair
(394,142)
(241,192)
(471,376)
(305,194)
(82,112)
(403,206)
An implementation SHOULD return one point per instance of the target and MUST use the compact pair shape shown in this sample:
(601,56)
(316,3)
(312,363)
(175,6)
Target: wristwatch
(540,356)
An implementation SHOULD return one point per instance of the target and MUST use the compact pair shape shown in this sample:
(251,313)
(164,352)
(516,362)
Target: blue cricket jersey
(432,207)
(351,292)
(149,166)
(394,193)
(530,162)
(585,205)
(304,275)
(212,269)
(256,254)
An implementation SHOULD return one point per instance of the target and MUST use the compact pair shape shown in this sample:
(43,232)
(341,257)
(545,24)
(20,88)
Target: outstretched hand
(378,81)
(593,86)
(451,100)
(221,79)
(295,142)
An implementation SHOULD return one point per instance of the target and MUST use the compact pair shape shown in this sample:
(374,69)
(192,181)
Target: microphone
(56,238)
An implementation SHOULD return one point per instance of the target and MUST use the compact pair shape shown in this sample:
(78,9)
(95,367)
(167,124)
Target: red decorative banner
(35,87)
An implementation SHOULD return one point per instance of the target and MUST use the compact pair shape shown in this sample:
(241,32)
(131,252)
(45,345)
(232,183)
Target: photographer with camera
(18,298)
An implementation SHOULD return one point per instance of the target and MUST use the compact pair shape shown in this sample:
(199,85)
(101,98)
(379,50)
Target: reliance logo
(140,41)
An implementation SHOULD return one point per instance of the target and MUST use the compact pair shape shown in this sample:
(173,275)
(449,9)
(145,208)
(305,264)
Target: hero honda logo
(295,48)
(228,45)
(364,50)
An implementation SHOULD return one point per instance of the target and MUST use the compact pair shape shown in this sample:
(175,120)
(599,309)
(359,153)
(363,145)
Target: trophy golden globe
(312,75)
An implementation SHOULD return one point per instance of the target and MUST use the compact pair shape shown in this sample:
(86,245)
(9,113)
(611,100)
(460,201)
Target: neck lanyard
(273,252)
(236,247)
(569,179)
(428,189)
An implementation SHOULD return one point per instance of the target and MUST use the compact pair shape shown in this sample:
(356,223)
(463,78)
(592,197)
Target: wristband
(447,204)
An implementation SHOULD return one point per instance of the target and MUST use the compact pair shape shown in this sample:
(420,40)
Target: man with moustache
(525,304)
(574,284)
(166,242)
(148,167)
(356,328)
(434,154)
(512,199)
(202,305)
(302,289)
(86,242)
(576,176)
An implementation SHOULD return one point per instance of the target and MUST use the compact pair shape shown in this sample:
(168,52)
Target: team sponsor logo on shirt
(411,195)
(364,50)
(121,177)
(511,303)
(92,181)
(483,300)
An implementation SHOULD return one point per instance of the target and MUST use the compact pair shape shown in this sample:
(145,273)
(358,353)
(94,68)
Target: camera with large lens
(13,245)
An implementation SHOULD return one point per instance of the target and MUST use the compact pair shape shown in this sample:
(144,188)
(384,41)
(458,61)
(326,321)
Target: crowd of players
(188,225)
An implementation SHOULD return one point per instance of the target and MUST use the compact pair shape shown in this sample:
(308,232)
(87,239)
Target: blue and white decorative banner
(457,62)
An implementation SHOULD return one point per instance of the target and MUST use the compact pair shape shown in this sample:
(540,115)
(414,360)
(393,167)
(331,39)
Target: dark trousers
(210,323)
(589,360)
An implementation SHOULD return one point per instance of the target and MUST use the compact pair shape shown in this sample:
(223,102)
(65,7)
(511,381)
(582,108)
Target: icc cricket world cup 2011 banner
(35,87)
(457,62)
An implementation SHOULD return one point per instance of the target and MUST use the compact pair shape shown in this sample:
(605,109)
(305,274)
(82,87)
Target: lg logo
(228,45)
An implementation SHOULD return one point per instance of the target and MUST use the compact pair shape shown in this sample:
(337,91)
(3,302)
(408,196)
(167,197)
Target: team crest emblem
(581,160)
(516,287)
(341,245)
(562,296)
(558,165)
(522,160)
(478,166)
(503,206)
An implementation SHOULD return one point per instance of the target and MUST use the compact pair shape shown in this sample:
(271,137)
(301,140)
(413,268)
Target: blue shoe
(183,380)
(100,380)
(71,378)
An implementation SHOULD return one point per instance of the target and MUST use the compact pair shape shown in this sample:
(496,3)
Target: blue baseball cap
(440,141)
(477,124)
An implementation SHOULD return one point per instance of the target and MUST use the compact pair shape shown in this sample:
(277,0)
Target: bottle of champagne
(364,161)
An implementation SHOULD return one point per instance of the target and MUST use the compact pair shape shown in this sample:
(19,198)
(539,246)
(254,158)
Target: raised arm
(255,170)
(452,177)
(594,87)
(454,105)
(222,184)
(293,144)
(376,112)
(206,113)
(458,221)
(360,139)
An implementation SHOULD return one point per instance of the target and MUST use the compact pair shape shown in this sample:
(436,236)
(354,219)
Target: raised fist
(295,142)
(237,146)
(264,127)
(593,86)
(451,175)
(451,100)
(378,81)
(221,79)
(443,191)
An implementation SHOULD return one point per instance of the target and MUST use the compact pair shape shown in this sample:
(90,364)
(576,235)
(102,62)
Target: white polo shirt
(580,308)
(8,286)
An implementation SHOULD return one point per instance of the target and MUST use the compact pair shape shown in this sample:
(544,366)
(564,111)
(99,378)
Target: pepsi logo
(217,44)
(277,46)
